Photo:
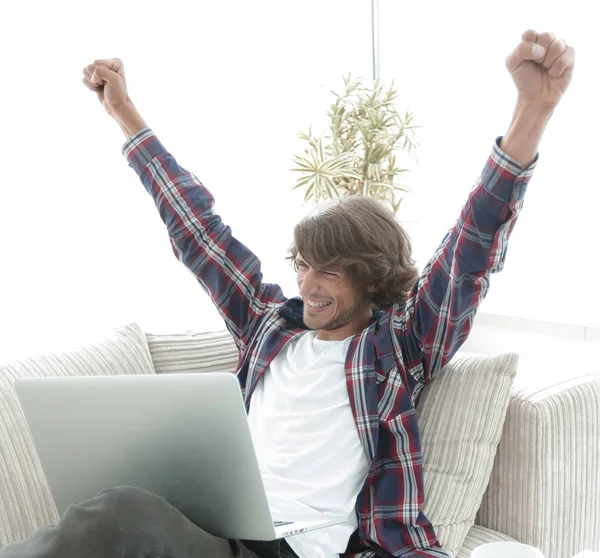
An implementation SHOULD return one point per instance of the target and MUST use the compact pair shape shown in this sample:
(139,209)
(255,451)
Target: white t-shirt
(308,449)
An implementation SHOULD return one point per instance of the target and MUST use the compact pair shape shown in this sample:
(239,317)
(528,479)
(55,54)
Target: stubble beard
(340,321)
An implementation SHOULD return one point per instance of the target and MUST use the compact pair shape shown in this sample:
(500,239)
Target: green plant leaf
(301,182)
(358,153)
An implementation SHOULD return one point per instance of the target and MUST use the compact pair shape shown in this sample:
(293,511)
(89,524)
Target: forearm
(525,132)
(129,119)
(438,315)
(229,272)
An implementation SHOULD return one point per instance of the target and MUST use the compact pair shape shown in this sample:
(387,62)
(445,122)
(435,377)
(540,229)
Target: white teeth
(317,304)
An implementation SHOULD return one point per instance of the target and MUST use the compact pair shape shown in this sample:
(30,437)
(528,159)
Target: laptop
(184,437)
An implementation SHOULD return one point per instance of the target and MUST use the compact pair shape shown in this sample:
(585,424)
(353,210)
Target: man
(330,379)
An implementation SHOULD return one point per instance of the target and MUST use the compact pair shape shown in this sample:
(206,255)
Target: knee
(125,498)
(126,504)
(111,511)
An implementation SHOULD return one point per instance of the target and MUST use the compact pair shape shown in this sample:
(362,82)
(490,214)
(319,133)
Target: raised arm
(228,271)
(438,316)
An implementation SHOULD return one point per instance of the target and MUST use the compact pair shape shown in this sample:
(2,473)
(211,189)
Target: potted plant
(358,153)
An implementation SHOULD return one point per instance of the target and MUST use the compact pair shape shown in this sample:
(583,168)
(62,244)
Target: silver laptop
(184,437)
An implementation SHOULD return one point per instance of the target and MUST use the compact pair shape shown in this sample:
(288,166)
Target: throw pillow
(193,351)
(461,414)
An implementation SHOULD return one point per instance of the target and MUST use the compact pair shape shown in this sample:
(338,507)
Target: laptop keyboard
(280,523)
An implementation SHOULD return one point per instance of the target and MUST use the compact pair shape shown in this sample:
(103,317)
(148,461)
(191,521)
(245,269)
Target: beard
(343,319)
(356,310)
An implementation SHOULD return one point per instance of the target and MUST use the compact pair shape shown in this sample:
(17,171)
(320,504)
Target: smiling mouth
(317,306)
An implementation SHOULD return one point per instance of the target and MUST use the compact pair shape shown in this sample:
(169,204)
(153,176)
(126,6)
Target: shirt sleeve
(437,317)
(227,270)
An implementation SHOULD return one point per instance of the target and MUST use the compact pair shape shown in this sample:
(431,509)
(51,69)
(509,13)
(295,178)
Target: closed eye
(300,265)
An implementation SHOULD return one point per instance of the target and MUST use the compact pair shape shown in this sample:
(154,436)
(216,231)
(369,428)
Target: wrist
(525,131)
(534,110)
(128,118)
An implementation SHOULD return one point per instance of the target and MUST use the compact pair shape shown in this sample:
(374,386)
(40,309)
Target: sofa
(508,454)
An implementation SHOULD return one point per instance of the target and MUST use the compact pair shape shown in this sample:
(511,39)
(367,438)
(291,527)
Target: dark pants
(129,522)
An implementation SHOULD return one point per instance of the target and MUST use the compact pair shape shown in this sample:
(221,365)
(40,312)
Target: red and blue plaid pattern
(389,363)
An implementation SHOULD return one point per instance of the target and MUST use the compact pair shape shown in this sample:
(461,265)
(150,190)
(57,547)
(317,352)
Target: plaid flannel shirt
(388,364)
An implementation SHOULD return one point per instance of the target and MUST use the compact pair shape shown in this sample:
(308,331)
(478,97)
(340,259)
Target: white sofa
(542,486)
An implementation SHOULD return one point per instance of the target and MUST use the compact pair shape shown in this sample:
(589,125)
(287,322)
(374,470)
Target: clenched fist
(541,67)
(107,78)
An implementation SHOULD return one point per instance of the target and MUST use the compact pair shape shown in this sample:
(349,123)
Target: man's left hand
(541,77)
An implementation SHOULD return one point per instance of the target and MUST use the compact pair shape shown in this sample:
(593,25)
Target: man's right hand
(106,77)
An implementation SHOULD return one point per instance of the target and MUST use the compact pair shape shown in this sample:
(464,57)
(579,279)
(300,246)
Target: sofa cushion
(25,499)
(461,415)
(193,351)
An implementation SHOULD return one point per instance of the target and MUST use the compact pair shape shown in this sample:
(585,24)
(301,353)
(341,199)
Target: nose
(308,283)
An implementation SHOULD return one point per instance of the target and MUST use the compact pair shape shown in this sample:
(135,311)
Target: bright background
(227,85)
(448,61)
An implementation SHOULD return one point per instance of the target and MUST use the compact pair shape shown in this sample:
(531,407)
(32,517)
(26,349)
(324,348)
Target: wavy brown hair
(362,236)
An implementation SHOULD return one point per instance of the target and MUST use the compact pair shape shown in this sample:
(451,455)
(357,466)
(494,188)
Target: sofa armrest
(545,484)
(478,536)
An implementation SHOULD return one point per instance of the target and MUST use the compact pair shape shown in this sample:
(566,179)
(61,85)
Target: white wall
(547,351)
(226,85)
(448,60)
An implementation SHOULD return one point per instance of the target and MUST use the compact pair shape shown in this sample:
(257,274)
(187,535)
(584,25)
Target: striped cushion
(461,415)
(193,351)
(25,499)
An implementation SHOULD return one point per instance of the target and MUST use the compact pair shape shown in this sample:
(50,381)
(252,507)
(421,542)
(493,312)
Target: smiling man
(331,378)
(350,256)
